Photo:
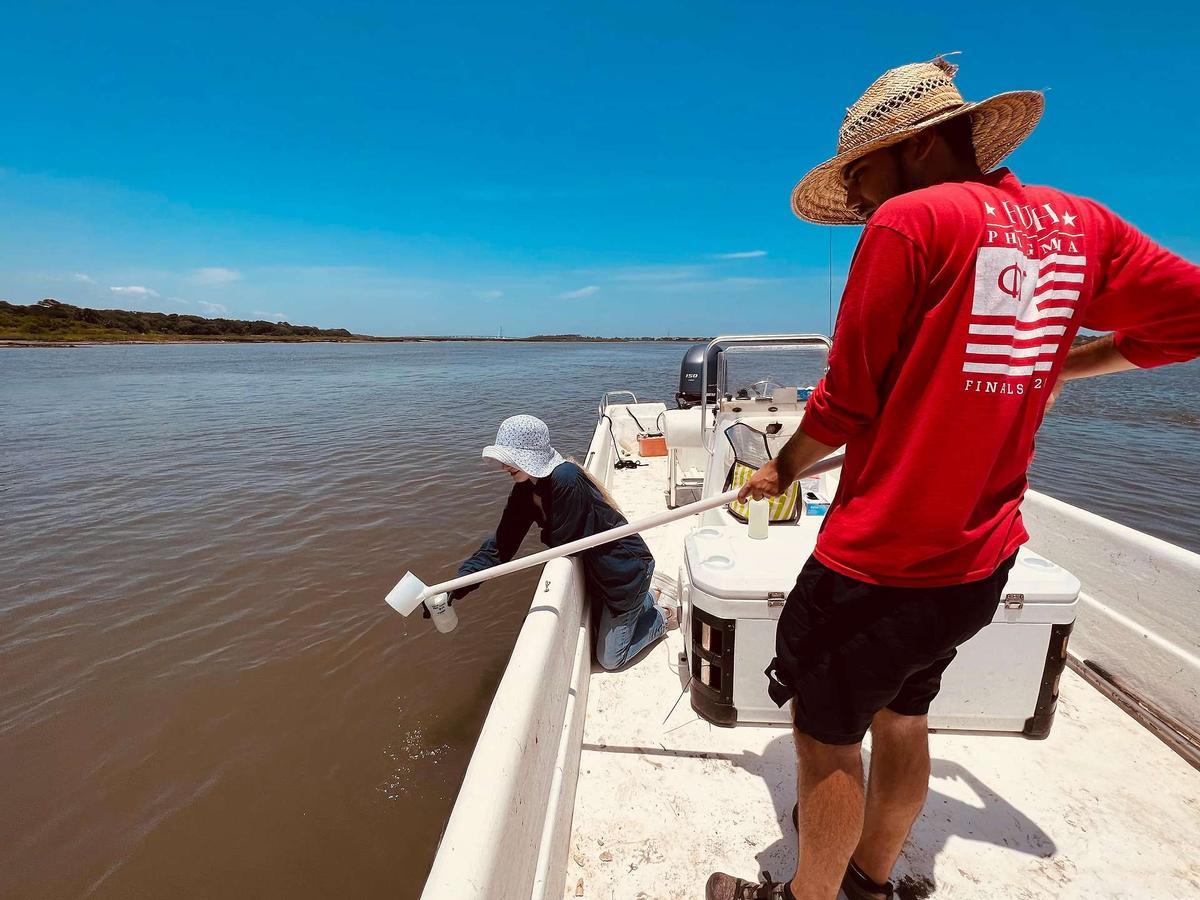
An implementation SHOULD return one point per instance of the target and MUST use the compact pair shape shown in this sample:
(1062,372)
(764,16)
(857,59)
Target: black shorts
(846,649)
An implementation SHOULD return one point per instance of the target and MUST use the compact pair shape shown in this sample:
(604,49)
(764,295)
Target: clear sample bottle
(760,514)
(445,619)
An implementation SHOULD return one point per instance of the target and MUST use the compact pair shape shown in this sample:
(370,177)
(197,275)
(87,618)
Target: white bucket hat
(524,442)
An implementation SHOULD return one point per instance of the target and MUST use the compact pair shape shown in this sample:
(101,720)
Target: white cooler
(1004,680)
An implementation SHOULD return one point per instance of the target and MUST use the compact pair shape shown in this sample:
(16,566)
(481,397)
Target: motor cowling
(691,371)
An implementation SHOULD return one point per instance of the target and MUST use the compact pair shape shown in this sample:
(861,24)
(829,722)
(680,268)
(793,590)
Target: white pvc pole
(615,534)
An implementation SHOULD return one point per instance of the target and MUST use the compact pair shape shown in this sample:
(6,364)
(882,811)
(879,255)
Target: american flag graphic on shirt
(1028,278)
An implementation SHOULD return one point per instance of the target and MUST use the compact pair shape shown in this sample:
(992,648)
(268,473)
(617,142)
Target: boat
(1066,760)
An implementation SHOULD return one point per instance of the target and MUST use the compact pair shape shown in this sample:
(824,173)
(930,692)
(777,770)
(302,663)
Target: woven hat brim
(999,125)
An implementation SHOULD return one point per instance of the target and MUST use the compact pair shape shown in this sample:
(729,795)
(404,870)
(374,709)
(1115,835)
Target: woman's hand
(764,484)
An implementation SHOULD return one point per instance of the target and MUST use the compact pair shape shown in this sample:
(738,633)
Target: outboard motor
(690,373)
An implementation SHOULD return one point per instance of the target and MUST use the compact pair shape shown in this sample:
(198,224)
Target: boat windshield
(752,371)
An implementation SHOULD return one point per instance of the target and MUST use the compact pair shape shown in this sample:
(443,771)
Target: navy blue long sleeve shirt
(572,507)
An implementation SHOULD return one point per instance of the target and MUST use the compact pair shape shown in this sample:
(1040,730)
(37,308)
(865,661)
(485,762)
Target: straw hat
(524,442)
(900,103)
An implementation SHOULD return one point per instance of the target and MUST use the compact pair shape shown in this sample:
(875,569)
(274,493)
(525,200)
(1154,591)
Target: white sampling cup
(445,619)
(760,514)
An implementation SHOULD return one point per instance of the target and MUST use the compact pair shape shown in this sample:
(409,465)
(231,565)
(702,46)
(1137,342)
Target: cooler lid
(1040,580)
(724,561)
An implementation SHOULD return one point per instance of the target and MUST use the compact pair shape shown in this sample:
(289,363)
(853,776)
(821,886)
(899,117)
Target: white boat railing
(510,829)
(1138,610)
(608,399)
(511,824)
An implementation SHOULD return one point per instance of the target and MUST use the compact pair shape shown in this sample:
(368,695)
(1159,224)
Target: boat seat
(688,458)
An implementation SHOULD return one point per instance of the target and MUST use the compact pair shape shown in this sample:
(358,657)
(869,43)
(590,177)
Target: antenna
(830,227)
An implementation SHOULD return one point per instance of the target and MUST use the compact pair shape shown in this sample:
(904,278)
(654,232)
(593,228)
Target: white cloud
(85,278)
(579,294)
(745,282)
(489,295)
(713,284)
(655,274)
(270,316)
(133,290)
(212,307)
(215,275)
(743,254)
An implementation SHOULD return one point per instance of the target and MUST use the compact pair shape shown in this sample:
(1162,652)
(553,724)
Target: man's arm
(1098,357)
(800,452)
(1149,298)
(877,309)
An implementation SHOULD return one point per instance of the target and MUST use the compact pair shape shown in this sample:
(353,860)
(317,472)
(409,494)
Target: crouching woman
(568,504)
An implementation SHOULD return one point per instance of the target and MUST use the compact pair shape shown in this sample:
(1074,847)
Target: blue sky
(455,168)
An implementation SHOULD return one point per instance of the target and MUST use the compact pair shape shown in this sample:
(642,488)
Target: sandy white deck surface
(1100,809)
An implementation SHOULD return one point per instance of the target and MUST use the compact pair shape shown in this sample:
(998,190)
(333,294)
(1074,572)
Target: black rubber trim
(1037,726)
(713,703)
(712,710)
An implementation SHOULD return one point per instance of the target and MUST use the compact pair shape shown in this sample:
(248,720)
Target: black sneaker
(725,887)
(855,883)
(857,886)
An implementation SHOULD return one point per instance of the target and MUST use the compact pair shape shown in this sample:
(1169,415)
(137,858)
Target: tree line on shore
(54,321)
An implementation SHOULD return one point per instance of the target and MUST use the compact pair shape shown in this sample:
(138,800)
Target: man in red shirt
(954,335)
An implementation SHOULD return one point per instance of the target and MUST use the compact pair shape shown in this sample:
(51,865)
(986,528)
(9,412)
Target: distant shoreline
(52,323)
(39,343)
(33,343)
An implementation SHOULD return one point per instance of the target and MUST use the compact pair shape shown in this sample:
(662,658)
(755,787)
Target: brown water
(202,693)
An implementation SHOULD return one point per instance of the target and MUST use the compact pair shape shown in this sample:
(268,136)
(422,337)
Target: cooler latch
(776,598)
(1014,601)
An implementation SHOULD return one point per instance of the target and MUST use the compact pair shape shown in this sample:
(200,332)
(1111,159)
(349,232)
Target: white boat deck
(1100,809)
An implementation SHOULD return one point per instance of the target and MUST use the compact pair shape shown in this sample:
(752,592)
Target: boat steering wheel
(765,386)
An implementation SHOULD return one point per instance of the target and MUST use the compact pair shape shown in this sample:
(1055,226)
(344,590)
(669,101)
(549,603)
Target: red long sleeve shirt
(961,304)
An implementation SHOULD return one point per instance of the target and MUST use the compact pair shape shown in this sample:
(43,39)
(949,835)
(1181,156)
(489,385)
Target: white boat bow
(586,783)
